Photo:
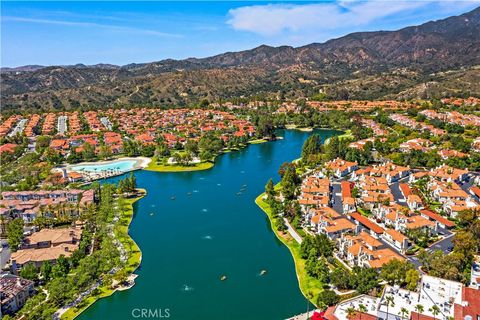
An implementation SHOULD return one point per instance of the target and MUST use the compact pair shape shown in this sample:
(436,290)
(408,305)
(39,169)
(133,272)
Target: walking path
(303,316)
(123,258)
(292,232)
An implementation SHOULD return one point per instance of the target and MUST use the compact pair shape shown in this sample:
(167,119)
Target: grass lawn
(134,257)
(121,233)
(363,212)
(347,135)
(72,313)
(257,141)
(153,166)
(309,286)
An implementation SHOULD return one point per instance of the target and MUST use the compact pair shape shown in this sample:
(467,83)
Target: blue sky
(57,33)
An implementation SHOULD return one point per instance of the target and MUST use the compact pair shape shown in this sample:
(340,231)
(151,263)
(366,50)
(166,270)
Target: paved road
(106,123)
(4,254)
(18,128)
(445,245)
(62,124)
(397,194)
(336,197)
(466,187)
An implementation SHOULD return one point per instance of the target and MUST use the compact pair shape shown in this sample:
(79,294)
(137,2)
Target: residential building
(14,292)
(46,245)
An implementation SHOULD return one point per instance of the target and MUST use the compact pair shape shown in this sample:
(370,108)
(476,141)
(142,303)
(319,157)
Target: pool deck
(140,163)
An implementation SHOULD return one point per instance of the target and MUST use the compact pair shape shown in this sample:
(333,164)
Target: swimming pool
(121,165)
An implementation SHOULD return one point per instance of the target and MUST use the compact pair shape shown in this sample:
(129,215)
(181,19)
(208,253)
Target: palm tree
(362,309)
(435,310)
(404,312)
(351,312)
(419,308)
(389,301)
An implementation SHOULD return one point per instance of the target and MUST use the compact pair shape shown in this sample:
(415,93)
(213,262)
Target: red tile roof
(346,189)
(8,147)
(476,190)
(416,316)
(438,218)
(472,307)
(367,222)
(405,188)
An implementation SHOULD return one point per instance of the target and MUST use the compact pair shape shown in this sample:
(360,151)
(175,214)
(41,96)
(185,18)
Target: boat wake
(204,210)
(186,288)
(207,238)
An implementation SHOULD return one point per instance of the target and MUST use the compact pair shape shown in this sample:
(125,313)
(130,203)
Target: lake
(212,228)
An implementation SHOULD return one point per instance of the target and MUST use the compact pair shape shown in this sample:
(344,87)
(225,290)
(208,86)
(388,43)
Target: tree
(162,150)
(362,308)
(389,302)
(365,279)
(270,189)
(289,181)
(412,277)
(395,271)
(61,268)
(104,152)
(52,156)
(265,128)
(121,276)
(351,313)
(435,310)
(29,271)
(466,244)
(317,268)
(327,298)
(341,279)
(88,151)
(419,309)
(192,147)
(404,312)
(15,233)
(205,155)
(311,147)
(46,270)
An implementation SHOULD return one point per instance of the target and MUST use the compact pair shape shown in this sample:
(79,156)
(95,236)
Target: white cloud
(93,25)
(273,19)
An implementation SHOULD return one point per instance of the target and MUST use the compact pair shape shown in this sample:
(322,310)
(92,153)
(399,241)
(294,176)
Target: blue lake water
(212,228)
(120,165)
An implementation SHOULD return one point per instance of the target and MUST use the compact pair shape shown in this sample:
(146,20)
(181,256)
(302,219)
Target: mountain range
(432,60)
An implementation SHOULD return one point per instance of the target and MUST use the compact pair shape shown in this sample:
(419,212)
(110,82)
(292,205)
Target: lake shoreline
(153,166)
(294,283)
(131,267)
(305,282)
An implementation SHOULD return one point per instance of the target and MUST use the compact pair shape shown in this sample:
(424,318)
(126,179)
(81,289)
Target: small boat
(151,213)
(189,194)
(239,193)
(172,198)
(263,272)
(223,278)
